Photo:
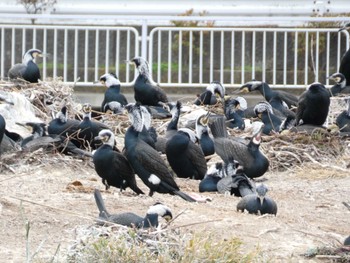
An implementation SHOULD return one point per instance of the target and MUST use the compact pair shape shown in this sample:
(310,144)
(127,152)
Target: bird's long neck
(87,116)
(151,220)
(266,91)
(174,121)
(27,58)
(115,87)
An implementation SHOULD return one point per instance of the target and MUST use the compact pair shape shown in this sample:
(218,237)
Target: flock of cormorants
(187,149)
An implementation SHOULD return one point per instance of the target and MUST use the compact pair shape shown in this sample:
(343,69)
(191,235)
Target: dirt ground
(45,192)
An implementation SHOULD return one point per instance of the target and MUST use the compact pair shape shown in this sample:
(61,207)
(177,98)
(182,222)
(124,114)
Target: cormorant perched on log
(147,92)
(258,202)
(248,154)
(112,166)
(89,129)
(344,67)
(202,132)
(145,160)
(111,81)
(28,69)
(340,85)
(130,219)
(209,97)
(343,119)
(313,105)
(269,93)
(185,157)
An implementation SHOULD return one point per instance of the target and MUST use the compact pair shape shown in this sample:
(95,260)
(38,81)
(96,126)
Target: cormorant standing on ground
(248,155)
(344,67)
(147,92)
(28,69)
(185,157)
(145,160)
(343,119)
(313,105)
(130,219)
(112,93)
(208,97)
(269,93)
(258,202)
(112,166)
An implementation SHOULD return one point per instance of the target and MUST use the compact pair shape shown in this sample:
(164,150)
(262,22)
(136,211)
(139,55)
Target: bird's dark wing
(301,108)
(196,156)
(16,71)
(288,98)
(150,159)
(122,165)
(230,150)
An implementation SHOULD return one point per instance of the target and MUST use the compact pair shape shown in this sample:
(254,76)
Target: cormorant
(247,154)
(344,67)
(38,130)
(65,127)
(215,173)
(343,119)
(269,93)
(272,123)
(258,202)
(112,166)
(313,105)
(28,69)
(130,219)
(234,113)
(147,92)
(208,97)
(340,85)
(145,160)
(111,81)
(185,157)
(89,129)
(202,132)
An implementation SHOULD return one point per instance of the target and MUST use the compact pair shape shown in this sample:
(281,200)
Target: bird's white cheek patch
(153,179)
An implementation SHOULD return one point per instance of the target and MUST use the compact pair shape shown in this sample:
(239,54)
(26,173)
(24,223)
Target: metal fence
(180,56)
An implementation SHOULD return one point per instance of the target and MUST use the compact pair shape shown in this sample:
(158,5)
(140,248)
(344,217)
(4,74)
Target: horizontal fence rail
(283,57)
(75,53)
(179,56)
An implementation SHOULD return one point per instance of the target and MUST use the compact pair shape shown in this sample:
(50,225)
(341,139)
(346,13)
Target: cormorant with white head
(209,97)
(130,219)
(145,160)
(112,166)
(340,85)
(111,81)
(147,92)
(28,69)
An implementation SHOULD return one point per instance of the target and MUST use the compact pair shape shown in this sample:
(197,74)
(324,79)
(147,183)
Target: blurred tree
(36,6)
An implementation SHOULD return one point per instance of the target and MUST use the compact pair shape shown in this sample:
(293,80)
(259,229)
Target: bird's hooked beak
(245,88)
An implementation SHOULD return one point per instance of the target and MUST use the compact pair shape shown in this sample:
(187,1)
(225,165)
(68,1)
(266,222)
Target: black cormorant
(112,166)
(247,154)
(343,119)
(111,81)
(28,69)
(88,129)
(272,123)
(38,130)
(344,67)
(147,92)
(258,202)
(313,105)
(209,97)
(202,132)
(185,157)
(340,85)
(268,93)
(145,160)
(65,127)
(130,219)
(234,113)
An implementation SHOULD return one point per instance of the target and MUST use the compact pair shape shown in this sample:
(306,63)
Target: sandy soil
(41,191)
